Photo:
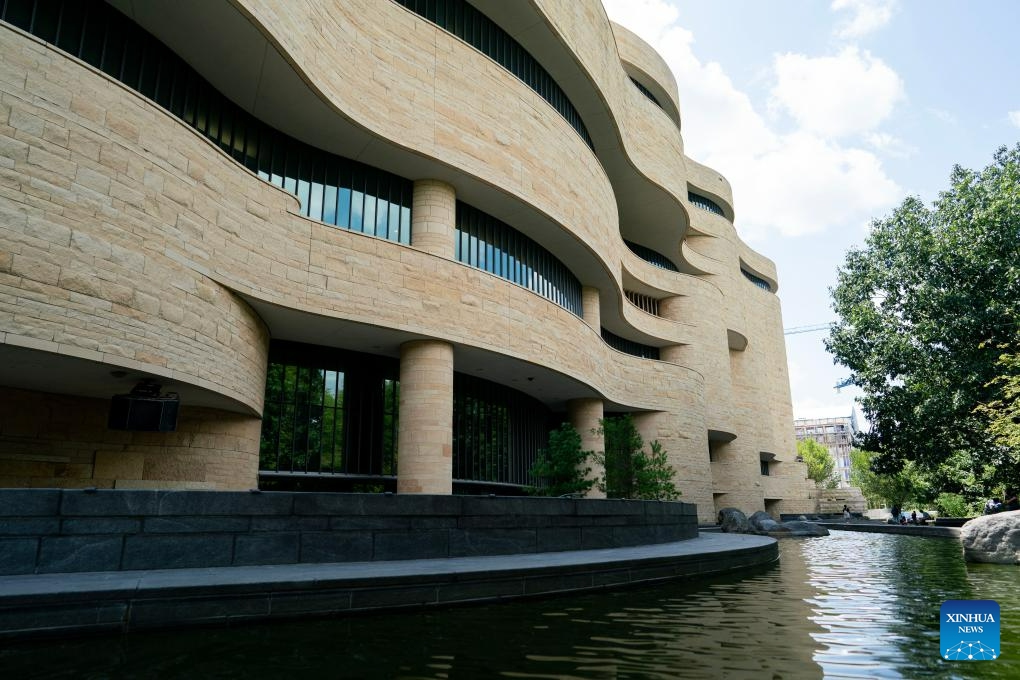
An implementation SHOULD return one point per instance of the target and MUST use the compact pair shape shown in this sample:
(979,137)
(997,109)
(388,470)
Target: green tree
(883,488)
(922,308)
(1003,411)
(653,475)
(820,463)
(561,466)
(630,472)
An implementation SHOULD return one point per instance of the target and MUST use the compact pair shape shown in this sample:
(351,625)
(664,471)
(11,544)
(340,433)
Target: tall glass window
(334,414)
(331,188)
(497,432)
(486,243)
(329,411)
(467,23)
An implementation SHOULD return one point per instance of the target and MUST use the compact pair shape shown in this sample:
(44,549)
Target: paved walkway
(71,604)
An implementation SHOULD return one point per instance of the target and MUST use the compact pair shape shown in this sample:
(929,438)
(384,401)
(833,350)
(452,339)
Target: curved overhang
(640,200)
(83,373)
(224,43)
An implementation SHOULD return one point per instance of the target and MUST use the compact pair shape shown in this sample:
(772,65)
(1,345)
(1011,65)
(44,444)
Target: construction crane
(809,329)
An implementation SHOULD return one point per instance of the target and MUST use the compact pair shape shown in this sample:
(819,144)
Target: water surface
(848,605)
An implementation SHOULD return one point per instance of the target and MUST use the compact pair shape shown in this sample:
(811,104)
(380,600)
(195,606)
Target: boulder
(733,521)
(992,538)
(762,522)
(804,529)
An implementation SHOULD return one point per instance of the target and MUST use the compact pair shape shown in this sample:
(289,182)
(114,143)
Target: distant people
(846,513)
(1011,502)
(992,506)
(913,517)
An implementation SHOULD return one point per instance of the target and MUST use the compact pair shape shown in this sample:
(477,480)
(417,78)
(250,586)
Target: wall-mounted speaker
(143,414)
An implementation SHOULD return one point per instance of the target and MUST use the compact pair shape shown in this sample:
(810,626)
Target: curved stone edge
(111,602)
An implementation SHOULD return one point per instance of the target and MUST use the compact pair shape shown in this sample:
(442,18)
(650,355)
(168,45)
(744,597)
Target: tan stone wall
(53,440)
(101,181)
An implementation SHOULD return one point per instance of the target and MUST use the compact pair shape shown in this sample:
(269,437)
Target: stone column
(590,310)
(585,415)
(425,437)
(433,215)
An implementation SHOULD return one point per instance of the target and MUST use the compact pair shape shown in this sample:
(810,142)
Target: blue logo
(969,630)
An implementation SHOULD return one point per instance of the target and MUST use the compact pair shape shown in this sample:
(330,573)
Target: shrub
(561,466)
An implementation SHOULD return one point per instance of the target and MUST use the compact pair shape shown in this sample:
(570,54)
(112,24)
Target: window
(705,203)
(645,303)
(629,346)
(652,257)
(646,92)
(328,411)
(483,241)
(765,468)
(324,183)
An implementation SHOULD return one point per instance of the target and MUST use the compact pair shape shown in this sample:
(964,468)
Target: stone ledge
(110,602)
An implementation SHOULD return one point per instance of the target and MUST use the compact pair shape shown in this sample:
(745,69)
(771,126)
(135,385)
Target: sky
(826,114)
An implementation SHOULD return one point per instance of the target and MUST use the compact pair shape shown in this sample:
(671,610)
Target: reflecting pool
(848,605)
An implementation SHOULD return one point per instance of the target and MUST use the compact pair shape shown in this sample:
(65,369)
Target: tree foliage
(562,465)
(630,472)
(923,308)
(885,488)
(820,463)
(1003,411)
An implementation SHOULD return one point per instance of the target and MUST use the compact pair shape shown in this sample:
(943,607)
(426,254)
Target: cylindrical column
(433,217)
(425,437)
(585,415)
(590,310)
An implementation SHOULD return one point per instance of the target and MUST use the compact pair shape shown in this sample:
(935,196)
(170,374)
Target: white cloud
(889,145)
(849,93)
(946,117)
(787,183)
(866,16)
(1014,118)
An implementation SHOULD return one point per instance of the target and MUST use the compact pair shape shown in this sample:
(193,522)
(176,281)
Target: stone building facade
(371,243)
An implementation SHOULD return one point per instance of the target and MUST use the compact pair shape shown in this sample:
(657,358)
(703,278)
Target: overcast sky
(825,115)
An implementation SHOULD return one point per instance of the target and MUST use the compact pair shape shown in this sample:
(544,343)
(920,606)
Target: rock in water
(733,521)
(762,522)
(805,529)
(992,538)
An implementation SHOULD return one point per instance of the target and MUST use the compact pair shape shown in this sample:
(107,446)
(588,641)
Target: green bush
(561,467)
(629,471)
(953,505)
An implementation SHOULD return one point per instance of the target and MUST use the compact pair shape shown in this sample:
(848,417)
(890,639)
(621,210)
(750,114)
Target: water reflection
(848,605)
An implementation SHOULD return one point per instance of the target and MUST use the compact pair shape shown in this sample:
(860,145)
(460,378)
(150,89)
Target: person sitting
(1011,502)
(992,506)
